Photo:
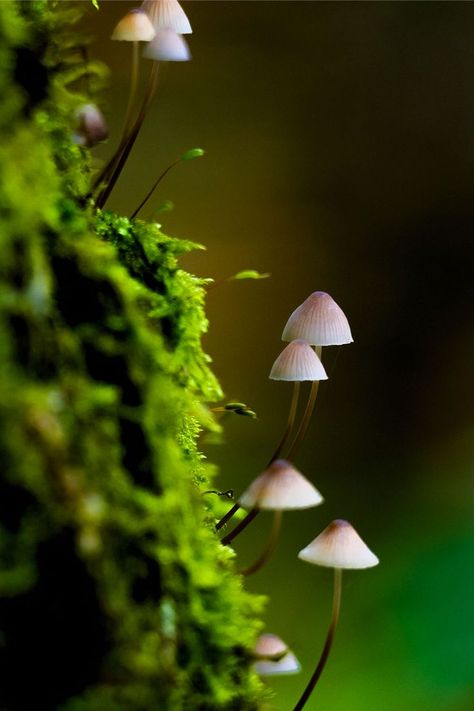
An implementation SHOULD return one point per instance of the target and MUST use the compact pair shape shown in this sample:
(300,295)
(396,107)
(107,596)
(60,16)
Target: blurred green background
(340,150)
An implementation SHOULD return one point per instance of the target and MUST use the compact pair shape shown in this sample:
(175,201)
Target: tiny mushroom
(92,127)
(298,362)
(339,546)
(167,14)
(135,26)
(281,487)
(167,46)
(274,657)
(320,321)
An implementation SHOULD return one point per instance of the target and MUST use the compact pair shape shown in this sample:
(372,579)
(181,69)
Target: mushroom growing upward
(274,657)
(167,13)
(339,546)
(135,26)
(281,487)
(320,322)
(296,363)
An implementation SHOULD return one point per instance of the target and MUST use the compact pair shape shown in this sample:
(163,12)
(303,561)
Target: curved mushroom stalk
(340,547)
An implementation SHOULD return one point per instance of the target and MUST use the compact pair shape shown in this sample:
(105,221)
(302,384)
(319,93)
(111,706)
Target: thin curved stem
(336,606)
(276,453)
(241,527)
(107,170)
(152,190)
(133,90)
(132,136)
(305,421)
(228,516)
(269,547)
(289,425)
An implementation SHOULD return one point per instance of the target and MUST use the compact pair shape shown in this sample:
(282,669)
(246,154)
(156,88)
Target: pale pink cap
(298,362)
(320,321)
(135,26)
(280,487)
(167,14)
(269,645)
(339,546)
(168,46)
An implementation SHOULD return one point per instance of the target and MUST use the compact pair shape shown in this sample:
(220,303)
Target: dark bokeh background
(340,150)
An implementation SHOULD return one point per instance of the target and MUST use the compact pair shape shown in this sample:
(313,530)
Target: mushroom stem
(269,546)
(131,136)
(153,188)
(133,90)
(242,526)
(305,421)
(336,606)
(230,513)
(112,162)
(289,425)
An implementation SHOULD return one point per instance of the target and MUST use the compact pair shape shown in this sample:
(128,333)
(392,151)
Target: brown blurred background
(339,157)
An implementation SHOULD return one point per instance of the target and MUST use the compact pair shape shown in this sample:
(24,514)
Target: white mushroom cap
(339,546)
(298,362)
(135,26)
(167,14)
(280,487)
(269,645)
(92,127)
(320,321)
(167,46)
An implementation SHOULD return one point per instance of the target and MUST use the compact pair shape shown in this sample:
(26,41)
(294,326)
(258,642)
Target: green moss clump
(114,591)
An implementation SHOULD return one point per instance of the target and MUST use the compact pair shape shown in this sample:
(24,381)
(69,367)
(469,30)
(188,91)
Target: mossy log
(114,590)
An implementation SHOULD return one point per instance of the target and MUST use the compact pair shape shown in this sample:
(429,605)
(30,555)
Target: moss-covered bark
(114,592)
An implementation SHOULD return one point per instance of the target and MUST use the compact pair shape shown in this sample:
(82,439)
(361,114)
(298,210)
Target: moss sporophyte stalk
(115,590)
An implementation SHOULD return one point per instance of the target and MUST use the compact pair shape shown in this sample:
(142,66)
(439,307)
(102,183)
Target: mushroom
(274,657)
(296,363)
(135,26)
(339,546)
(281,487)
(92,127)
(320,322)
(167,13)
(168,46)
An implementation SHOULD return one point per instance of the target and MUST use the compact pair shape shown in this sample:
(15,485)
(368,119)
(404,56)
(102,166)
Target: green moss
(114,591)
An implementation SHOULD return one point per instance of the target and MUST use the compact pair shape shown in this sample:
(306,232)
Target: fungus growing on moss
(320,321)
(135,26)
(339,546)
(167,46)
(92,127)
(273,657)
(281,487)
(297,363)
(167,14)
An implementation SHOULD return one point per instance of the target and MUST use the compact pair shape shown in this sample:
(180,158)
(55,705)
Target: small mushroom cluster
(318,322)
(161,24)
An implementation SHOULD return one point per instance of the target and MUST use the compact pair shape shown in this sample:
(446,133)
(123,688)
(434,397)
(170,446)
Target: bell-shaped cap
(167,46)
(320,321)
(136,26)
(298,362)
(167,14)
(91,126)
(339,546)
(280,487)
(269,645)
